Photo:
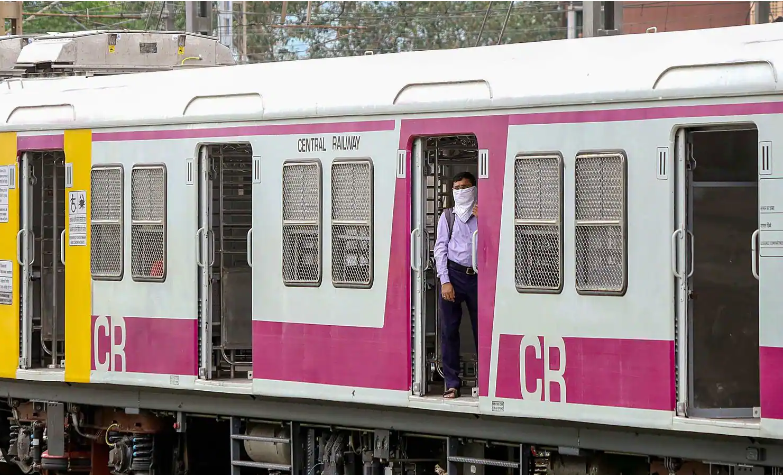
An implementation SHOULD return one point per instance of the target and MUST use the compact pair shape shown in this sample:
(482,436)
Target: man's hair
(464,175)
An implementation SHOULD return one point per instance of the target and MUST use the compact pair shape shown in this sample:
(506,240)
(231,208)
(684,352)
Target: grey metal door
(718,288)
(204,261)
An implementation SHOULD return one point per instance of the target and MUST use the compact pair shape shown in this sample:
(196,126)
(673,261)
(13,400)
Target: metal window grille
(538,233)
(352,205)
(106,230)
(601,259)
(302,223)
(148,223)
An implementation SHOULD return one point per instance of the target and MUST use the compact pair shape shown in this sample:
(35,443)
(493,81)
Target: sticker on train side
(77,218)
(4,186)
(6,282)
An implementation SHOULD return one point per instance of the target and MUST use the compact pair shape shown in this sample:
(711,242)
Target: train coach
(231,269)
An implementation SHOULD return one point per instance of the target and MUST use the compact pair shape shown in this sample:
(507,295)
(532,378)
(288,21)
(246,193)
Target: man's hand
(475,210)
(447,291)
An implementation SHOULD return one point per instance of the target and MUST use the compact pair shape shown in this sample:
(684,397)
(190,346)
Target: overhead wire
(149,15)
(160,17)
(483,24)
(333,43)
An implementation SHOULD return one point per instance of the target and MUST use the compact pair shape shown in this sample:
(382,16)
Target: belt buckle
(470,271)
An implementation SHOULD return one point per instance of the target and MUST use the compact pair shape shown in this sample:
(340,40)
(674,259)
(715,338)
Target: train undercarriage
(55,438)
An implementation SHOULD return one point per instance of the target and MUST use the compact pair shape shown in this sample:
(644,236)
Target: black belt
(461,268)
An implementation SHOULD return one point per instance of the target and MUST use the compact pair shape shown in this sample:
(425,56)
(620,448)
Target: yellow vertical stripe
(9,314)
(78,281)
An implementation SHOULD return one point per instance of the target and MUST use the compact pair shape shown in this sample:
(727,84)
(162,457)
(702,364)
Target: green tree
(412,26)
(383,27)
(387,27)
(78,16)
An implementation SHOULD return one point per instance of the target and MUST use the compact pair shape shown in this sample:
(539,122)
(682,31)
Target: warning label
(6,282)
(3,194)
(4,177)
(77,218)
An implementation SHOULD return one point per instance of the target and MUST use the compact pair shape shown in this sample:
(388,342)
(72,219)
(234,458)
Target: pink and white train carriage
(255,242)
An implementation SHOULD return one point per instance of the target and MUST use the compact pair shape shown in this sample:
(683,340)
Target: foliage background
(386,26)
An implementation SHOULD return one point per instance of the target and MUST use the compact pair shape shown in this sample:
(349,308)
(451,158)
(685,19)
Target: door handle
(62,247)
(753,256)
(31,240)
(250,247)
(19,247)
(211,246)
(427,263)
(693,240)
(474,256)
(675,267)
(199,262)
(414,261)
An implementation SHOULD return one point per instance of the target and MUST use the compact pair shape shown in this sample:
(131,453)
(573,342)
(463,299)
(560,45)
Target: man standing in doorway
(458,279)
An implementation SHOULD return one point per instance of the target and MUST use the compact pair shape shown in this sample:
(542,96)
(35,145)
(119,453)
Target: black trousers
(465,290)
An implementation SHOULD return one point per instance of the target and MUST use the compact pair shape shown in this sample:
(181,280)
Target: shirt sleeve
(441,250)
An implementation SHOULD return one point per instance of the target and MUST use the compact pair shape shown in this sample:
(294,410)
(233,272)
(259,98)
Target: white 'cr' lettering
(550,375)
(112,329)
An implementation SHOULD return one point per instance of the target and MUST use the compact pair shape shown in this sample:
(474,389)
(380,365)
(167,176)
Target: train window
(538,218)
(601,258)
(106,230)
(352,209)
(302,223)
(148,223)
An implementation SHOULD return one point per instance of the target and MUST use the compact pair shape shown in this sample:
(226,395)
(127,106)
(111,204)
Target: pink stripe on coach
(152,345)
(39,142)
(646,113)
(598,371)
(771,382)
(250,130)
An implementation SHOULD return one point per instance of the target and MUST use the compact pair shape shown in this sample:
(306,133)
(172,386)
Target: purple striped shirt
(458,249)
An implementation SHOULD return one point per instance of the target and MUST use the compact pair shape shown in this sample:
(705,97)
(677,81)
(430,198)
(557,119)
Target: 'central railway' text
(340,143)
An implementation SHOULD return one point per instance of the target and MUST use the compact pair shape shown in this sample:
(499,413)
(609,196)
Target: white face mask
(464,200)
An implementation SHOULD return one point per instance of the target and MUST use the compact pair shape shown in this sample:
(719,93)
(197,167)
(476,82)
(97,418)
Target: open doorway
(436,160)
(718,290)
(42,222)
(226,212)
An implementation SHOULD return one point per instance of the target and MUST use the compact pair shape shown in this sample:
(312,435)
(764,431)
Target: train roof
(646,67)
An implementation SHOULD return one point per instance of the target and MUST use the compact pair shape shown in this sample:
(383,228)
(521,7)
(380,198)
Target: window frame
(121,222)
(558,221)
(318,221)
(164,222)
(370,223)
(622,222)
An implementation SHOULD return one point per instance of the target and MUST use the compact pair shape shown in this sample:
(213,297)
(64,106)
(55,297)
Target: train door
(225,282)
(435,161)
(718,289)
(42,258)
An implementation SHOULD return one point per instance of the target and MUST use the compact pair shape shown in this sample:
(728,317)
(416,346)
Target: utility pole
(11,11)
(573,17)
(226,25)
(198,18)
(244,32)
(761,13)
(170,20)
(602,18)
